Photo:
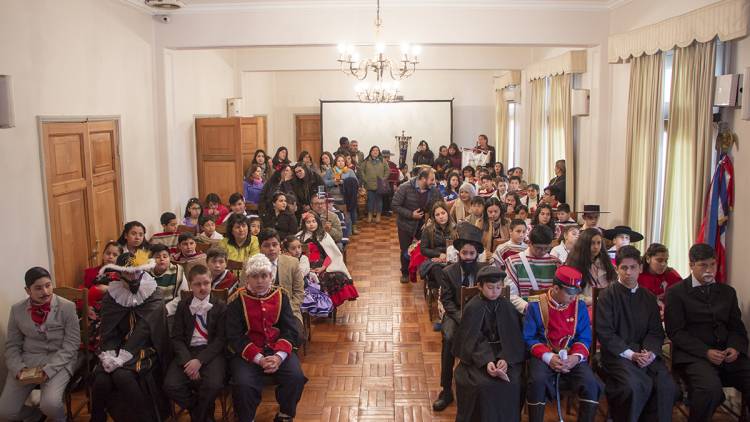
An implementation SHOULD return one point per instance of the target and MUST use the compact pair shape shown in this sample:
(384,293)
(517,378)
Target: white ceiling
(209,5)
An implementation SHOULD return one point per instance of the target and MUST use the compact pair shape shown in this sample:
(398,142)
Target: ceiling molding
(259,5)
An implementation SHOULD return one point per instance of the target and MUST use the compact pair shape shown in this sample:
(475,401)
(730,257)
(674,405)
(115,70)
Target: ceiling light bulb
(341,47)
(380,48)
(416,50)
(355,56)
(405,48)
(349,48)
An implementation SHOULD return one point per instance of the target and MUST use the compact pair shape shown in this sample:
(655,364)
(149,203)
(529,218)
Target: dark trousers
(705,382)
(196,396)
(248,380)
(404,241)
(387,198)
(448,330)
(542,382)
(120,384)
(639,394)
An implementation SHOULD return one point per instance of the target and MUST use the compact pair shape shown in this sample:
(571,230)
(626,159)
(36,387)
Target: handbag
(383,187)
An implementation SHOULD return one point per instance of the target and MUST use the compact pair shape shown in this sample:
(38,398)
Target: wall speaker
(234,107)
(6,102)
(579,102)
(745,94)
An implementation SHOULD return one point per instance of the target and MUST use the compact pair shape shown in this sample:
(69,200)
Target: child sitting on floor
(316,302)
(169,234)
(326,260)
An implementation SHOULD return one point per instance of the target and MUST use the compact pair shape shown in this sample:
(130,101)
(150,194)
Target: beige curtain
(561,132)
(644,132)
(501,113)
(538,136)
(689,147)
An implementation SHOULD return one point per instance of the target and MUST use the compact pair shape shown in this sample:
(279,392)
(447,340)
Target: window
(513,147)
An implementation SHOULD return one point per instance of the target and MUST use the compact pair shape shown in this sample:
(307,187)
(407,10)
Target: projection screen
(378,124)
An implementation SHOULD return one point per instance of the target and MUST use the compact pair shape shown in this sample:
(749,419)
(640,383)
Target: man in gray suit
(44,333)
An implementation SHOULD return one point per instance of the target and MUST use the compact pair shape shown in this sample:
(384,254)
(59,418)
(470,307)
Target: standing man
(703,320)
(343,146)
(460,274)
(629,328)
(43,339)
(357,155)
(558,321)
(413,199)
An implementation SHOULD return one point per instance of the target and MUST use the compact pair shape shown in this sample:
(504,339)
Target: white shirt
(560,252)
(200,307)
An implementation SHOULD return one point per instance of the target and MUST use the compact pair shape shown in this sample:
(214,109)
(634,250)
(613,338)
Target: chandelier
(380,66)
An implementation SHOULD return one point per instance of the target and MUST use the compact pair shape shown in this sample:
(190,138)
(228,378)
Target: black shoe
(444,400)
(279,418)
(404,278)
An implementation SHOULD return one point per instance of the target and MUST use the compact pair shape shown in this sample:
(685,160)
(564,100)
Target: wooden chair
(80,379)
(307,324)
(187,229)
(203,247)
(235,265)
(251,208)
(221,228)
(534,292)
(221,294)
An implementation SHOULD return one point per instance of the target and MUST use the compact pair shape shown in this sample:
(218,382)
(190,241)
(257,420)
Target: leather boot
(587,411)
(536,412)
(444,400)
(377,217)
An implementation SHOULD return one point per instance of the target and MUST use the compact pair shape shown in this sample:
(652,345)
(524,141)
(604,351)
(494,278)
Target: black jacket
(696,323)
(423,158)
(450,283)
(406,200)
(182,331)
(434,241)
(285,223)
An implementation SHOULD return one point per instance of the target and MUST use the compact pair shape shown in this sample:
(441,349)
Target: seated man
(43,334)
(196,375)
(134,344)
(639,385)
(532,269)
(261,332)
(490,346)
(451,279)
(709,339)
(285,272)
(557,331)
(331,222)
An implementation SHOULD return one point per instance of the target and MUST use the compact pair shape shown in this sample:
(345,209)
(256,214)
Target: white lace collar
(121,293)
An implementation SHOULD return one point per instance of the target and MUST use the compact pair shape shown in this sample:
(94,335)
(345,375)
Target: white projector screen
(378,124)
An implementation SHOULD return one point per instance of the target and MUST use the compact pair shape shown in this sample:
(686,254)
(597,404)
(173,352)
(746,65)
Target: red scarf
(39,312)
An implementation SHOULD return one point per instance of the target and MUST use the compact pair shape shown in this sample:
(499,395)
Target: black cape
(481,397)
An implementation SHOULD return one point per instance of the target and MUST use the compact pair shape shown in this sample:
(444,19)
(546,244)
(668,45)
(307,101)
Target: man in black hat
(490,347)
(704,322)
(557,331)
(620,236)
(460,274)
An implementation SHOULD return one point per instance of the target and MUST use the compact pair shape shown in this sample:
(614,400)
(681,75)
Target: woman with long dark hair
(280,158)
(305,185)
(423,156)
(260,159)
(278,217)
(543,216)
(590,258)
(437,235)
(454,155)
(280,180)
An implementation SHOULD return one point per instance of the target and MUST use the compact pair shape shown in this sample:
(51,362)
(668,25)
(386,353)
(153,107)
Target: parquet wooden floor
(380,361)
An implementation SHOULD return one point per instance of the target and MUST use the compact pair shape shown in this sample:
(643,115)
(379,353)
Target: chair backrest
(221,294)
(78,296)
(235,265)
(186,229)
(251,208)
(203,247)
(534,292)
(506,292)
(467,293)
(221,228)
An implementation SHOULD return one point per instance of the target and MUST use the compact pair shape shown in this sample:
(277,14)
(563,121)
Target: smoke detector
(165,4)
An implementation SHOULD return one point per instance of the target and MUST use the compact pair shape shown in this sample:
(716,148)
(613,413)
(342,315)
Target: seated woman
(437,234)
(134,345)
(238,242)
(263,345)
(326,260)
(489,343)
(460,210)
(41,349)
(305,185)
(253,184)
(279,217)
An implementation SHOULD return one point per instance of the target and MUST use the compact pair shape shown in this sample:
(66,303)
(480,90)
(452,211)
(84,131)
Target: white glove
(124,356)
(107,360)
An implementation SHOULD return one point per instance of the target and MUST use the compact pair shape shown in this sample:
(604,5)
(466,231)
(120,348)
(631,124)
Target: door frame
(41,120)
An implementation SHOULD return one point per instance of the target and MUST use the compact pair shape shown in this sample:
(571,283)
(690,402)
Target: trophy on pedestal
(403,147)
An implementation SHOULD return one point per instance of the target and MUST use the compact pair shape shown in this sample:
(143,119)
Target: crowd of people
(160,331)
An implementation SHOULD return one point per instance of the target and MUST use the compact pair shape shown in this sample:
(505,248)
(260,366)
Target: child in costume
(316,302)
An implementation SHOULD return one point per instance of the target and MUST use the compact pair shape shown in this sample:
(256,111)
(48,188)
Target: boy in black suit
(197,372)
(710,343)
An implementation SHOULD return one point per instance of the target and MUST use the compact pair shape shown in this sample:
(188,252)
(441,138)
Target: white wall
(72,58)
(197,83)
(281,95)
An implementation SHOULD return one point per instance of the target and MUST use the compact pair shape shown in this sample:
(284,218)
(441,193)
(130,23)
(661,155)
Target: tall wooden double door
(84,195)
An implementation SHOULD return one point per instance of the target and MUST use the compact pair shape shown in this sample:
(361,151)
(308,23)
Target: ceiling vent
(165,4)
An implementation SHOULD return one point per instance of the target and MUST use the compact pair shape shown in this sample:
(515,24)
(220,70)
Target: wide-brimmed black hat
(592,209)
(468,233)
(611,234)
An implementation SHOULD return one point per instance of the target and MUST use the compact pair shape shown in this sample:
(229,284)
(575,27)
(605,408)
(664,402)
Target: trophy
(403,147)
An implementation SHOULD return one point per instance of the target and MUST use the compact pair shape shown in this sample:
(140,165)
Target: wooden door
(308,135)
(81,166)
(253,137)
(218,156)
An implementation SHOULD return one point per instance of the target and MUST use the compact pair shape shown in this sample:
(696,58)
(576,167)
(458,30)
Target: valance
(570,62)
(726,19)
(507,78)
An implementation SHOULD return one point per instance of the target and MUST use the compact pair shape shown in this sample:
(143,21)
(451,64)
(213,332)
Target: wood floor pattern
(381,360)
